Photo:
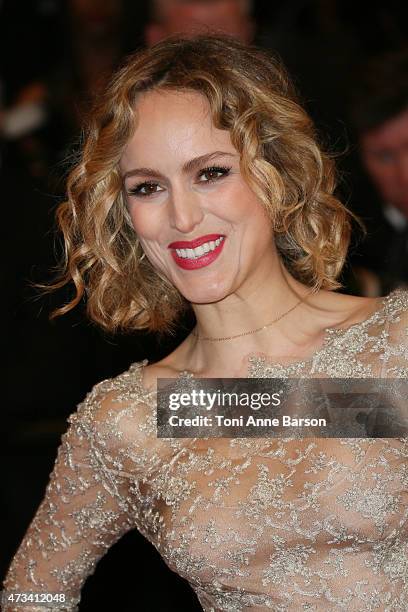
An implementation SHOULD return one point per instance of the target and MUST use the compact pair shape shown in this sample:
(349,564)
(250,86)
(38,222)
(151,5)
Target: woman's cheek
(145,219)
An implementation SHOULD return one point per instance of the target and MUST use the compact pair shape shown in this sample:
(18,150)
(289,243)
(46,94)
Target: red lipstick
(192,244)
(202,260)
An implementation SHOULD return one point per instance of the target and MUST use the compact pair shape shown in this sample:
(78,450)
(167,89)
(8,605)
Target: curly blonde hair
(250,95)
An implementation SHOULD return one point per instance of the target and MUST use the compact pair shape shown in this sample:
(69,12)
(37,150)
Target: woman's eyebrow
(195,163)
(188,167)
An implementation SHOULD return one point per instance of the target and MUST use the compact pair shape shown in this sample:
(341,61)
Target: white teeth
(199,251)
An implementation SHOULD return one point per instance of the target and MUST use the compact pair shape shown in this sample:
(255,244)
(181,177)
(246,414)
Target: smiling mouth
(201,250)
(199,257)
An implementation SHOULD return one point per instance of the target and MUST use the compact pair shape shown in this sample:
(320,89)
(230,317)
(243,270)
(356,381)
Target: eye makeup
(150,188)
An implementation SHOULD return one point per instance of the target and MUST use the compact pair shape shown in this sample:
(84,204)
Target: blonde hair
(250,95)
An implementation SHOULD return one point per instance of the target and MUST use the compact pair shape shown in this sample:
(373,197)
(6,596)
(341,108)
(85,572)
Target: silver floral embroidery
(252,524)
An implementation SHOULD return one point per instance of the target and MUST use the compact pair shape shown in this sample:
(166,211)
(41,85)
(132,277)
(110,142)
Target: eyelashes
(222,170)
(150,188)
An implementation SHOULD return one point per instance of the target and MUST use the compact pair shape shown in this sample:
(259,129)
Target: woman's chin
(204,294)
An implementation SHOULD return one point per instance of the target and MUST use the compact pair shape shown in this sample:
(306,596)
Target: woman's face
(183,185)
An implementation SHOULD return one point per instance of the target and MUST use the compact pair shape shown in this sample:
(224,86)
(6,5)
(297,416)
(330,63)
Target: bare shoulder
(350,309)
(334,309)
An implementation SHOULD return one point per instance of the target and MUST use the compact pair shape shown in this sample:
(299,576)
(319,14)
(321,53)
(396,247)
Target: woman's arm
(85,510)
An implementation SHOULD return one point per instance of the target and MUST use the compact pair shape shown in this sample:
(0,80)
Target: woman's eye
(145,189)
(209,175)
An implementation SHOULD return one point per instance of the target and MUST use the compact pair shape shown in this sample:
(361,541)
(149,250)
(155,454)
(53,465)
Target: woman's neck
(239,314)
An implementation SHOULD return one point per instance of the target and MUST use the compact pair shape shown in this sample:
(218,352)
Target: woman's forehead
(174,123)
(167,105)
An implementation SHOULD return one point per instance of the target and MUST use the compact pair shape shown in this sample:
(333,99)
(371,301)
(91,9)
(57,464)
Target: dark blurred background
(349,61)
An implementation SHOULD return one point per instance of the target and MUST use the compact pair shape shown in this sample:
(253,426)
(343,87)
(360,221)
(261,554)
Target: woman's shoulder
(387,311)
(395,317)
(396,302)
(116,408)
(394,310)
(392,334)
(388,323)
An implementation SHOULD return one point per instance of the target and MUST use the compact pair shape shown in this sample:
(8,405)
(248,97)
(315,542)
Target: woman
(201,185)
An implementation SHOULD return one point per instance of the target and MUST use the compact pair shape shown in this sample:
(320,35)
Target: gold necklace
(208,338)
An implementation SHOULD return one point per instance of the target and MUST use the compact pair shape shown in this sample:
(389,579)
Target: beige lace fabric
(253,524)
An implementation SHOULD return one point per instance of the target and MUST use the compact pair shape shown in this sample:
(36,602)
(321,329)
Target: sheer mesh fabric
(253,524)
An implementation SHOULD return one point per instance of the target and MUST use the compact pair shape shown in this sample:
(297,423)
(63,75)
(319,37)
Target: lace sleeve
(395,355)
(393,419)
(86,508)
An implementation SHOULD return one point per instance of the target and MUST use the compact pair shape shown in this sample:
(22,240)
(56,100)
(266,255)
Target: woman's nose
(185,211)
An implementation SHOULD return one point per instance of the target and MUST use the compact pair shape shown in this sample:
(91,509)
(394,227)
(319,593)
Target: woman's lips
(192,244)
(198,262)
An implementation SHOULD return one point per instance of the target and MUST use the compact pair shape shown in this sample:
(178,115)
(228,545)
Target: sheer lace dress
(253,524)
